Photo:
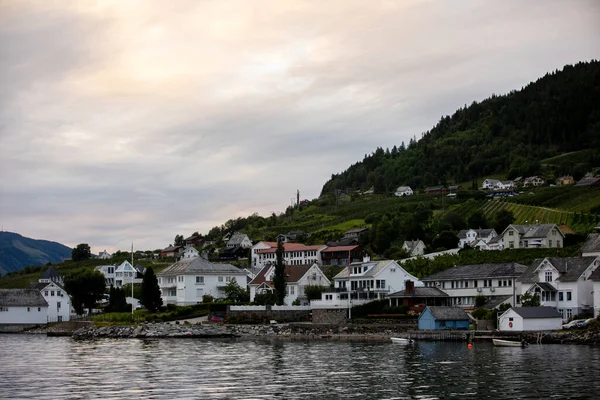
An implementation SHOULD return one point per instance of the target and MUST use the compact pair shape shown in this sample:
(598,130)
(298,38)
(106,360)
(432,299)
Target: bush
(480,313)
(207,298)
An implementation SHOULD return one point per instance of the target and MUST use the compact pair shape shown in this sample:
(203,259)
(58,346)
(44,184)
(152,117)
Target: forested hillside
(17,252)
(505,135)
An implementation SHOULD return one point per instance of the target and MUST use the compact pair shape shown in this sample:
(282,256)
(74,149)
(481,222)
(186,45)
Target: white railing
(289,308)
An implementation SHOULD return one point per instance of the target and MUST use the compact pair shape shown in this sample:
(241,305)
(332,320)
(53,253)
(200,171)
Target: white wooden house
(297,277)
(519,319)
(188,280)
(127,274)
(239,239)
(414,247)
(532,236)
(562,283)
(21,308)
(595,278)
(476,238)
(403,191)
(190,252)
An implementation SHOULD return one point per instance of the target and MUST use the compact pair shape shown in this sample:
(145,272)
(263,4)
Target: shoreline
(304,331)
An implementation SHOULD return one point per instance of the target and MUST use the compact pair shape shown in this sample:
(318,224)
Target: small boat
(508,343)
(401,340)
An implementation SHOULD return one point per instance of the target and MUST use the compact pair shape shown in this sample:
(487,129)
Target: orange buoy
(470,345)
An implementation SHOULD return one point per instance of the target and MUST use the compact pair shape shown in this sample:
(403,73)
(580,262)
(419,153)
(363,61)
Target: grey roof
(495,239)
(403,188)
(237,239)
(448,313)
(537,312)
(22,298)
(592,243)
(495,301)
(534,231)
(374,268)
(412,244)
(595,276)
(420,292)
(546,286)
(570,268)
(51,273)
(42,285)
(198,265)
(478,271)
(480,232)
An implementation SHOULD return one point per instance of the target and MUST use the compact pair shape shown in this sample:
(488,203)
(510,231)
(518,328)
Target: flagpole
(349,294)
(132,274)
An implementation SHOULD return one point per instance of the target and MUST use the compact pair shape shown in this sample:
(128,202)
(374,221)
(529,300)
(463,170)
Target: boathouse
(443,318)
(518,319)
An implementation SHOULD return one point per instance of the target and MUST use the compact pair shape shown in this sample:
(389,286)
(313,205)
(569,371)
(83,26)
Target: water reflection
(36,367)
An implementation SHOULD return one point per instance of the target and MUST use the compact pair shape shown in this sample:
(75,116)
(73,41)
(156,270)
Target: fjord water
(38,367)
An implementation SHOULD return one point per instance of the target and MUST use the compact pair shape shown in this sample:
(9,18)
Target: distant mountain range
(18,252)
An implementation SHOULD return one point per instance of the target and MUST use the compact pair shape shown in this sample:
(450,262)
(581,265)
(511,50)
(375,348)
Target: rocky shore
(149,331)
(564,337)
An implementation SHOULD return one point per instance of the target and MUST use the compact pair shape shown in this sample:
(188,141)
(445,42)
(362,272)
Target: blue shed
(438,318)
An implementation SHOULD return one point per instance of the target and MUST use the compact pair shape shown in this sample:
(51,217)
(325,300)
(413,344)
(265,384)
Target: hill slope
(18,252)
(509,135)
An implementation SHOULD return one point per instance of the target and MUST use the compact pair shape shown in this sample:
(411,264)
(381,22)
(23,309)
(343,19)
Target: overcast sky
(129,120)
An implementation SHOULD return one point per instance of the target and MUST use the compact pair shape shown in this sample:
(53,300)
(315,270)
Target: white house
(475,237)
(109,274)
(532,236)
(294,254)
(22,308)
(403,191)
(104,255)
(414,247)
(126,273)
(462,283)
(262,245)
(297,277)
(239,239)
(519,319)
(562,283)
(186,281)
(190,252)
(533,181)
(57,298)
(595,278)
(365,281)
(491,184)
(591,247)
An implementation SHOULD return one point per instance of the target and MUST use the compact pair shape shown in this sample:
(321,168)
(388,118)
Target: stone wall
(285,314)
(333,316)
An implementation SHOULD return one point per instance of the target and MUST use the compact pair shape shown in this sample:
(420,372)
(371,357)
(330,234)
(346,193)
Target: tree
(234,292)
(477,221)
(262,299)
(150,298)
(85,287)
(179,240)
(480,300)
(529,300)
(313,292)
(117,300)
(81,252)
(279,279)
(503,219)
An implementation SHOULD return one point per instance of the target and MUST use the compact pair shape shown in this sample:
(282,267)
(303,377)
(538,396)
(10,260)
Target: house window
(220,279)
(526,243)
(227,279)
(511,319)
(511,244)
(58,305)
(474,283)
(510,283)
(172,292)
(518,299)
(45,293)
(510,233)
(452,284)
(28,309)
(292,289)
(568,296)
(39,309)
(562,313)
(569,313)
(3,309)
(560,296)
(52,293)
(466,284)
(392,269)
(548,276)
(550,243)
(199,280)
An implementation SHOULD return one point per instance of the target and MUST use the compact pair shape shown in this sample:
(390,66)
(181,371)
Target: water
(37,367)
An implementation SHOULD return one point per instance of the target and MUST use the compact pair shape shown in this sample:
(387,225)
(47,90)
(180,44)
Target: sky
(133,121)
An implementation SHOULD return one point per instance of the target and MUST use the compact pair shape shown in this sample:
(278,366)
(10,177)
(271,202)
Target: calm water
(37,367)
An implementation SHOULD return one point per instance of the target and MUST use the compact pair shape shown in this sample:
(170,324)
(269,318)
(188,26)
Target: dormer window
(548,276)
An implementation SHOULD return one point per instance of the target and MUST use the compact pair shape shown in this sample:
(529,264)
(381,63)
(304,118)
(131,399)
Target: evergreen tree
(117,301)
(279,278)
(85,288)
(81,252)
(151,298)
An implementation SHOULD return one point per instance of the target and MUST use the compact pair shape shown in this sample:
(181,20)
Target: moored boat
(401,340)
(508,343)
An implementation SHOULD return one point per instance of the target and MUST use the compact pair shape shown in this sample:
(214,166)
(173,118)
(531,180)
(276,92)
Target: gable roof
(595,276)
(537,312)
(51,274)
(292,247)
(198,265)
(41,285)
(495,301)
(420,292)
(592,243)
(403,188)
(237,239)
(22,298)
(448,313)
(569,268)
(374,268)
(478,271)
(293,274)
(533,231)
(333,249)
(412,244)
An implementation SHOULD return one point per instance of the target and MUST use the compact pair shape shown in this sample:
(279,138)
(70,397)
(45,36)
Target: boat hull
(506,343)
(401,340)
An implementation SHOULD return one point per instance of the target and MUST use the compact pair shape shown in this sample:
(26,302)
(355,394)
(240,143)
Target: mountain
(18,252)
(509,135)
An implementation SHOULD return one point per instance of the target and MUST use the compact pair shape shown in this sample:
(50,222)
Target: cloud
(134,121)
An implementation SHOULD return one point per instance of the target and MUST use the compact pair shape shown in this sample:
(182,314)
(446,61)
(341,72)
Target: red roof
(339,248)
(293,274)
(292,247)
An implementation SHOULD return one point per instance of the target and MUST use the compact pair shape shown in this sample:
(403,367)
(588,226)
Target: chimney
(409,287)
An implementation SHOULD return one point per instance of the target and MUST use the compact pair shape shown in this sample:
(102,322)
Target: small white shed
(519,319)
